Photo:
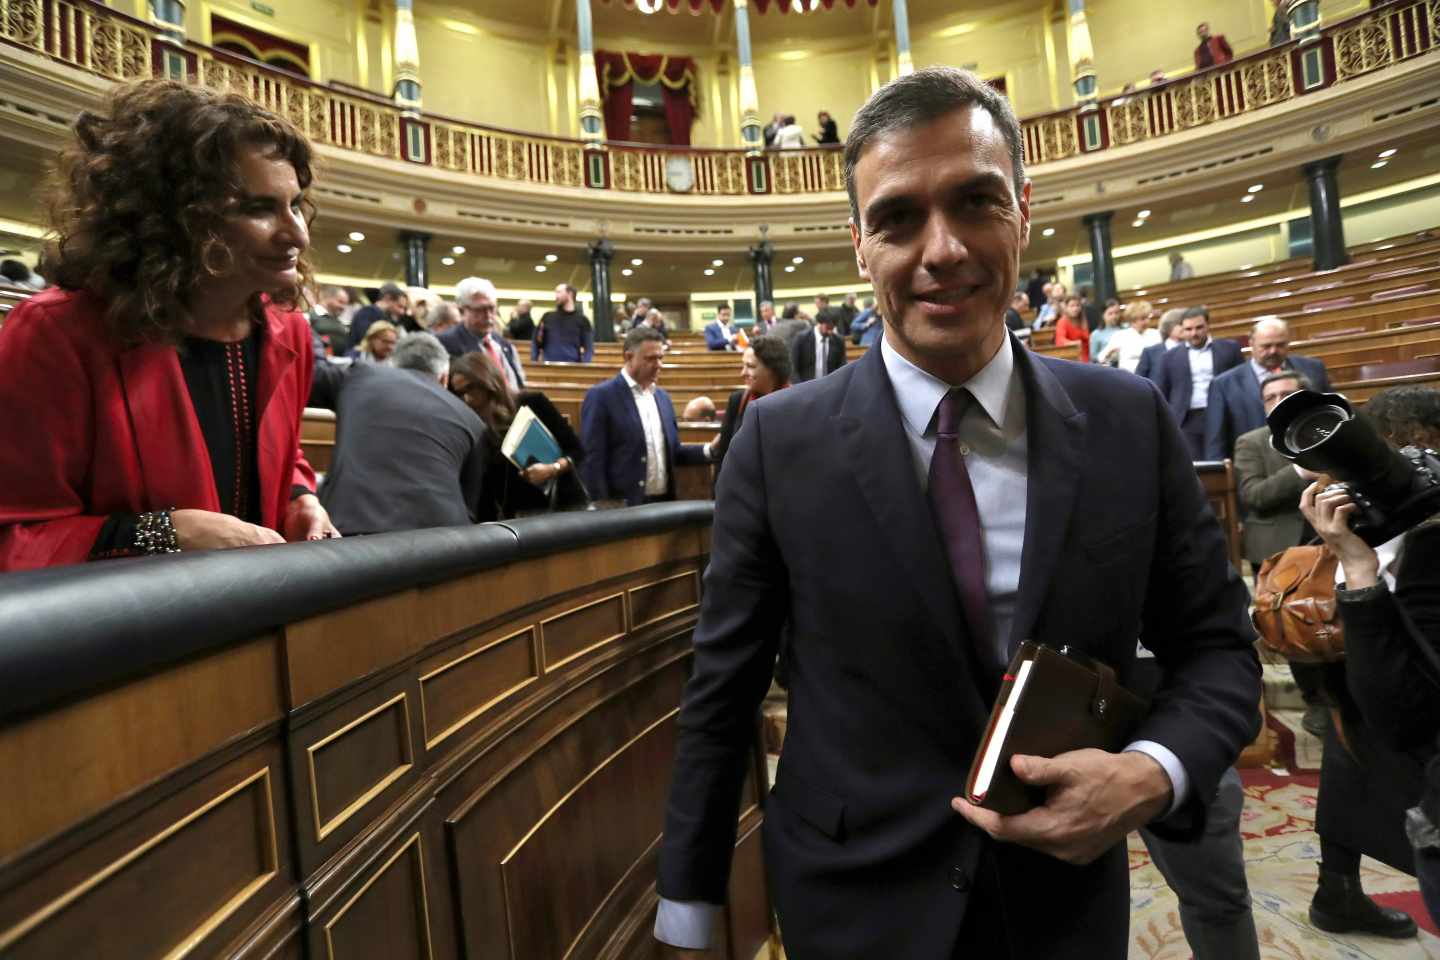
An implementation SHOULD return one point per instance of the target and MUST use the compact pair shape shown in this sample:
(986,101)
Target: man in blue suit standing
(628,428)
(1187,374)
(1235,406)
(719,335)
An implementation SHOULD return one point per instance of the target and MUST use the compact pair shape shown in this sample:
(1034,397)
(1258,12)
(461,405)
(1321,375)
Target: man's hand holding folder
(1092,800)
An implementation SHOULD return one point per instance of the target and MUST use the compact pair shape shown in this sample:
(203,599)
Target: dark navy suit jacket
(864,855)
(1152,360)
(1174,380)
(614,439)
(1235,406)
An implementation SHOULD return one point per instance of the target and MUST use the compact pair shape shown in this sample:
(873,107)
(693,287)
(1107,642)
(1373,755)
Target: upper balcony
(1364,80)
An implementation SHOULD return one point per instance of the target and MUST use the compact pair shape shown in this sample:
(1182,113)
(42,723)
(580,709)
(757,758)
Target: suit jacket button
(959,880)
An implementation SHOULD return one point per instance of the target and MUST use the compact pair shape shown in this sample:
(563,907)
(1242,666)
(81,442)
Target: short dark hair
(830,315)
(1285,373)
(792,310)
(571,289)
(391,291)
(1074,296)
(722,305)
(922,98)
(639,335)
(14,270)
(773,356)
(1201,311)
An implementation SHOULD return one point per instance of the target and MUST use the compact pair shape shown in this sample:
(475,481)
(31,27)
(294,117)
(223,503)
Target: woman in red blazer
(1071,327)
(153,401)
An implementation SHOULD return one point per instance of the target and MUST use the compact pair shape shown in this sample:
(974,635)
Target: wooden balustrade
(435,744)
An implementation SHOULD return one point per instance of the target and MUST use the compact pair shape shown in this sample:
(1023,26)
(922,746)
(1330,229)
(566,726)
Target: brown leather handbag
(1295,610)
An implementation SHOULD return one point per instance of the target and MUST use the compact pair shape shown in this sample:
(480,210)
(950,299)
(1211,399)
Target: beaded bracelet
(155,532)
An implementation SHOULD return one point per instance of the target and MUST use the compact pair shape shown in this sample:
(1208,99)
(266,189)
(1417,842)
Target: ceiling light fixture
(448,261)
(551,258)
(709,271)
(357,236)
(1048,232)
(344,247)
(797,259)
(1247,198)
(790,268)
(457,249)
(1387,154)
(1378,164)
(1256,187)
(1143,214)
(1137,223)
(541,268)
(627,272)
(636,261)
(717,262)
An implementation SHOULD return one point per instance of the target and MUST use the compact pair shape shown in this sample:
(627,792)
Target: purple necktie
(953,500)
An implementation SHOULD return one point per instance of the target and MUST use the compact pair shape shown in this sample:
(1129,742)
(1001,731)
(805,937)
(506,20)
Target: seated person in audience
(507,490)
(1172,335)
(377,345)
(15,273)
(476,332)
(1235,405)
(1269,493)
(1050,310)
(522,325)
(1015,313)
(392,305)
(1127,344)
(408,455)
(868,326)
(765,369)
(132,389)
(564,334)
(1109,326)
(442,317)
(325,320)
(701,408)
(719,335)
(1189,372)
(628,427)
(655,320)
(816,354)
(1071,328)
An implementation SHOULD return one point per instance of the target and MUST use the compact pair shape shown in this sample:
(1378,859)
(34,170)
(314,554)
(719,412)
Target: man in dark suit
(627,425)
(973,542)
(1188,372)
(1235,406)
(477,332)
(822,352)
(408,455)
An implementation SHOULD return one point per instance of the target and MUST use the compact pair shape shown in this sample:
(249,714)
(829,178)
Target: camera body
(1393,490)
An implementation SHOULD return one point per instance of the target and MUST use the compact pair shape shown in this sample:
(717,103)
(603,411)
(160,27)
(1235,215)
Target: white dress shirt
(1202,371)
(822,353)
(1128,345)
(992,435)
(656,477)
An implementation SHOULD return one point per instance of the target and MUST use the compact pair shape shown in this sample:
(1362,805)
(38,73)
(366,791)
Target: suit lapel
(872,435)
(1055,442)
(174,462)
(1250,395)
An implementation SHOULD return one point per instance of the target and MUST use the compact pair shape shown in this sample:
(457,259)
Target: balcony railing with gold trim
(88,36)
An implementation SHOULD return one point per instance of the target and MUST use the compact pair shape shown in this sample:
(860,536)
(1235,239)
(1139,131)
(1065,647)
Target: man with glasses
(476,331)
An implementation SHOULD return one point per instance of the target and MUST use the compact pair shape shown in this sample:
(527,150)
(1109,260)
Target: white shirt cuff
(687,924)
(1174,769)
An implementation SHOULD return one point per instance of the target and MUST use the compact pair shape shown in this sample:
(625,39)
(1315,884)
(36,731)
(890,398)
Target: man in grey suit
(1270,488)
(408,454)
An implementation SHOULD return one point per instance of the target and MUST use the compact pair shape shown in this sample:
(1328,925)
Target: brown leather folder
(1050,702)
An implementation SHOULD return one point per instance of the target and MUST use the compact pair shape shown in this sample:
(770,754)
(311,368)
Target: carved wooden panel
(187,871)
(328,651)
(473,678)
(352,765)
(653,602)
(582,630)
(388,915)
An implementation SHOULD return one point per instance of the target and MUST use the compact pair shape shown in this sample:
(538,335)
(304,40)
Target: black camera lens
(1314,427)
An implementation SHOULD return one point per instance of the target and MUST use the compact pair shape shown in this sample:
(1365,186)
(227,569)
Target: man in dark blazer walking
(477,332)
(821,352)
(627,425)
(1188,372)
(1235,406)
(965,457)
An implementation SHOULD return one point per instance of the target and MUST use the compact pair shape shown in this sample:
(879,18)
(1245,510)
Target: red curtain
(676,76)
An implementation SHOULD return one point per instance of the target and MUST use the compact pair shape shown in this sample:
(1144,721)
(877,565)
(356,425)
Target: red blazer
(92,430)
(1067,332)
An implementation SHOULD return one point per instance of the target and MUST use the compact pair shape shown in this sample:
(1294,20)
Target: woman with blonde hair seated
(507,490)
(377,345)
(153,397)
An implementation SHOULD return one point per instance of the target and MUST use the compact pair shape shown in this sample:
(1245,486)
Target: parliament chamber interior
(445,722)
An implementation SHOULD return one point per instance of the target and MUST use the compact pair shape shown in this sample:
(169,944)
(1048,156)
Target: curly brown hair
(138,202)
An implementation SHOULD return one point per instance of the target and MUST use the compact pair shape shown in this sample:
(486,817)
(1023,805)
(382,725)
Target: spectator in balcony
(131,392)
(477,333)
(522,324)
(1279,24)
(719,334)
(17,274)
(1071,328)
(829,133)
(377,345)
(1180,268)
(765,368)
(1213,50)
(772,129)
(324,318)
(392,305)
(564,334)
(1109,327)
(1157,77)
(508,491)
(790,136)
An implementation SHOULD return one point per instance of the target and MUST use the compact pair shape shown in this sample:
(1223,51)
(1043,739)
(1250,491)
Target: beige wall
(1392,216)
(1013,48)
(483,77)
(837,80)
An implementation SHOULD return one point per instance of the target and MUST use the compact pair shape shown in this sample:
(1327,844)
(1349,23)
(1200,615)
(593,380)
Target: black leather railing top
(68,631)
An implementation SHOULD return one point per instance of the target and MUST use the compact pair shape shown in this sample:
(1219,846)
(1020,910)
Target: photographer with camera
(1384,527)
